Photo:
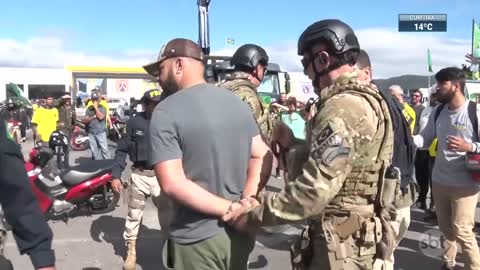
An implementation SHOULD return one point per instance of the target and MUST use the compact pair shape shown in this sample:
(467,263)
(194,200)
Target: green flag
(429,61)
(476,40)
(16,91)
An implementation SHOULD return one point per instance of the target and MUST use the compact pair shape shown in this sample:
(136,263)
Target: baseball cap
(178,47)
(94,95)
(151,95)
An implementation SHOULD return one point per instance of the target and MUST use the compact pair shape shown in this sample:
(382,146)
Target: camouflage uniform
(67,117)
(241,86)
(349,145)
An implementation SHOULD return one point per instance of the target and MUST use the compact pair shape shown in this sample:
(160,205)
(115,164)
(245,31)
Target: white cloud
(392,53)
(51,52)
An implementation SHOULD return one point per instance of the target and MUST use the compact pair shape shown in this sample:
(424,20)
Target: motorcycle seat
(85,171)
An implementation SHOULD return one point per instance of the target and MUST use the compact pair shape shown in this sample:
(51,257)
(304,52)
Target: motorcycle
(79,138)
(85,186)
(117,129)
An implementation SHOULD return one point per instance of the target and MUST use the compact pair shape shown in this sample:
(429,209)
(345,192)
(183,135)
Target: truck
(218,67)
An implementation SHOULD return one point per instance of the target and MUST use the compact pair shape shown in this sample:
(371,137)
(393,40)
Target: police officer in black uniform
(143,182)
(31,232)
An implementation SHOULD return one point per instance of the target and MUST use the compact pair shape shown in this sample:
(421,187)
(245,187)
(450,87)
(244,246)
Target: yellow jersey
(46,121)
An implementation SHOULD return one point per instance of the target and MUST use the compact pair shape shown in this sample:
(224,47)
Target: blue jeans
(99,145)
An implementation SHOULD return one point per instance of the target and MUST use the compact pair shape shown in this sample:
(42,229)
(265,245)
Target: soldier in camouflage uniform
(349,146)
(250,62)
(66,122)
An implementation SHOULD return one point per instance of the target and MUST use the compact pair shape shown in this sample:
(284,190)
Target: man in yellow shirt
(45,120)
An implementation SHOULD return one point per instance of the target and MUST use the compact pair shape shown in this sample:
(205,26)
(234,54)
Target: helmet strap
(319,73)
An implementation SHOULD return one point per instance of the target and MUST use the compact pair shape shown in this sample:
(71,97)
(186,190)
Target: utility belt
(343,237)
(141,168)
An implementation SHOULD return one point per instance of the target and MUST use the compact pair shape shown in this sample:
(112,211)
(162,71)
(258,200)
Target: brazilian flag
(266,99)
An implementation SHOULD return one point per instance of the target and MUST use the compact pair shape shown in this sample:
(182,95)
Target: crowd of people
(355,160)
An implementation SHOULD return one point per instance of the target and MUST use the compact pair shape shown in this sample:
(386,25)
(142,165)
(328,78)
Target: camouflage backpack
(246,91)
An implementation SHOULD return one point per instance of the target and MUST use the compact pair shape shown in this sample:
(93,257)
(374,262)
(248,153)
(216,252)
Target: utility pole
(203,27)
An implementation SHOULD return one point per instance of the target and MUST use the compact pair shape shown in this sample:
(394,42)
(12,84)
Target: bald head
(397,92)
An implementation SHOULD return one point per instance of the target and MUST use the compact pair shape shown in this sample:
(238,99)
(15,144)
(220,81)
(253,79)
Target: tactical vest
(369,167)
(245,90)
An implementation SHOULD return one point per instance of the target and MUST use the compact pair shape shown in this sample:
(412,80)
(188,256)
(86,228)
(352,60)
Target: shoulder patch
(334,154)
(324,134)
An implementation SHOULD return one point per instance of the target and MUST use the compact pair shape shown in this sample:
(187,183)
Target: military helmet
(250,56)
(339,36)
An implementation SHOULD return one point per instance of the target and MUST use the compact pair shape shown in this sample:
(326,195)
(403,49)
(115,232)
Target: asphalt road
(96,242)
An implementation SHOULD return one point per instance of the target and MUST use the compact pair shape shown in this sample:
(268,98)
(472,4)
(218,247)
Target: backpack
(472,115)
(403,148)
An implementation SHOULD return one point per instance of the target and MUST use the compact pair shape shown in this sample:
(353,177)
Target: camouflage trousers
(142,186)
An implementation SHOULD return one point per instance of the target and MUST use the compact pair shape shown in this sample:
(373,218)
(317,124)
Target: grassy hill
(405,81)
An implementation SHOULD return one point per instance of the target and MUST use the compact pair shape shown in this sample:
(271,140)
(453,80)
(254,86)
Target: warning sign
(122,86)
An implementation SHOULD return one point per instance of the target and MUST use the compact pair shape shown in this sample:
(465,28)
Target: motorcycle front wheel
(104,202)
(79,141)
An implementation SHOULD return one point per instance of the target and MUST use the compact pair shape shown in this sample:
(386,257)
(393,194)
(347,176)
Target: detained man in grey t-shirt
(454,190)
(207,153)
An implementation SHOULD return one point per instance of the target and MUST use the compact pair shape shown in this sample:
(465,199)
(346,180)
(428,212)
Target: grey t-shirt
(418,112)
(211,131)
(96,126)
(450,166)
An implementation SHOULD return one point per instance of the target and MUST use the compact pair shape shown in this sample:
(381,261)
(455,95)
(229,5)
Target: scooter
(85,186)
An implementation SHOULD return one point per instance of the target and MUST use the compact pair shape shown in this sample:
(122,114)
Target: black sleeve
(122,151)
(22,212)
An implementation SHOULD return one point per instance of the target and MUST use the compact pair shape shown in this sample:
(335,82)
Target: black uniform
(31,232)
(134,143)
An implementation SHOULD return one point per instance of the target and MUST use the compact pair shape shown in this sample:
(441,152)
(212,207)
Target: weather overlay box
(422,22)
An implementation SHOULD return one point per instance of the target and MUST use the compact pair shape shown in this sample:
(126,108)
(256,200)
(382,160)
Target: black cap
(151,95)
(94,95)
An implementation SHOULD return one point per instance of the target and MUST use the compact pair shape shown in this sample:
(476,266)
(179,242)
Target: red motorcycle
(85,186)
(79,138)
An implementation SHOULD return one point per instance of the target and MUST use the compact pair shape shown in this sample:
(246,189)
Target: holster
(386,246)
(354,236)
(389,187)
(301,251)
